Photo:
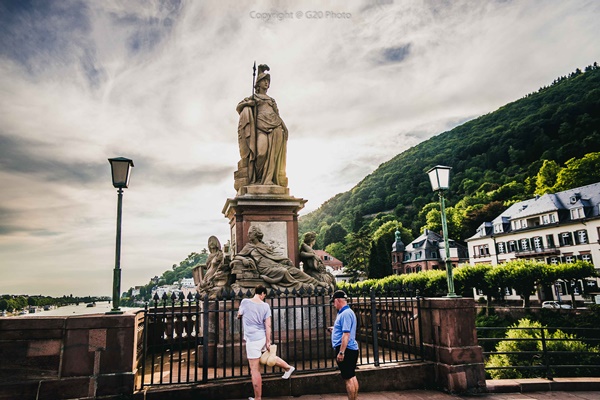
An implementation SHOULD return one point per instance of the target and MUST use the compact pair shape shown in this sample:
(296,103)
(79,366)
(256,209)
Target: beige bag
(269,357)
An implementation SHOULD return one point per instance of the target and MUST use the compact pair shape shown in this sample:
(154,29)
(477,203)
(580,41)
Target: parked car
(555,304)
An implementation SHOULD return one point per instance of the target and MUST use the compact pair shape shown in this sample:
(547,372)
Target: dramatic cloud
(158,81)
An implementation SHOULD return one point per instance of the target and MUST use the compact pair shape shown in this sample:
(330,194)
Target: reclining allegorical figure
(277,271)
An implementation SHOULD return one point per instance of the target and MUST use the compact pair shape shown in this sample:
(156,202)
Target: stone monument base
(273,210)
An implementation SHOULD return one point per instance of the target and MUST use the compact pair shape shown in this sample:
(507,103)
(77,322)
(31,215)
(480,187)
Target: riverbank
(72,309)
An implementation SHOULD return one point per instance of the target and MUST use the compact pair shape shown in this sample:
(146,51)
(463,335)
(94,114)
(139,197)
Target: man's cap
(338,294)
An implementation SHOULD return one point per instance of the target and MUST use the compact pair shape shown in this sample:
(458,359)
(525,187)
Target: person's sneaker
(288,373)
(250,398)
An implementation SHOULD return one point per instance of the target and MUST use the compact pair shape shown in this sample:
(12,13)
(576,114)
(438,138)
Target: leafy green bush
(529,353)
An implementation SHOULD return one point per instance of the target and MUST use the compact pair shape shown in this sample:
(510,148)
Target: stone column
(450,341)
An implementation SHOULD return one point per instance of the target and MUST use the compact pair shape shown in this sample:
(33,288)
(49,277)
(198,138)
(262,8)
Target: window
(501,248)
(407,257)
(554,260)
(586,257)
(577,213)
(550,240)
(569,259)
(548,219)
(524,244)
(498,228)
(537,242)
(434,254)
(512,246)
(418,256)
(482,250)
(582,237)
(566,239)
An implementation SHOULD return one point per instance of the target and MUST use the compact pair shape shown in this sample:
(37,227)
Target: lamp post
(121,169)
(440,181)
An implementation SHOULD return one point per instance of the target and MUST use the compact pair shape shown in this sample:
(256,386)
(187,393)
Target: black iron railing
(535,352)
(195,339)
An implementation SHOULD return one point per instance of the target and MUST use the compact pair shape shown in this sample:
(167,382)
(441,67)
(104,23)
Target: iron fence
(535,352)
(195,339)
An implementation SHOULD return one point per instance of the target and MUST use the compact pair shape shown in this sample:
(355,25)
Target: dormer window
(548,219)
(577,213)
(498,228)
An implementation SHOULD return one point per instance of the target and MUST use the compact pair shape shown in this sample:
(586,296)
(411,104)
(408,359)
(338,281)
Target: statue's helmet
(262,74)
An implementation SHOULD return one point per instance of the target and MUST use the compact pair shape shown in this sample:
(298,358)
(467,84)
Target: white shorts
(255,349)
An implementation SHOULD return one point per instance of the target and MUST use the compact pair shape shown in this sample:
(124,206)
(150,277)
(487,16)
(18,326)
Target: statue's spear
(251,168)
(253,78)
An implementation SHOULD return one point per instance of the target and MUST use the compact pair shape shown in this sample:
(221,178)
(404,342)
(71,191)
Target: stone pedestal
(271,208)
(450,341)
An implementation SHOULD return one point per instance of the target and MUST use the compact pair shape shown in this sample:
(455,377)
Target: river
(81,309)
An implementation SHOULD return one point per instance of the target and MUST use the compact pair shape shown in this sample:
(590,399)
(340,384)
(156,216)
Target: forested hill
(495,159)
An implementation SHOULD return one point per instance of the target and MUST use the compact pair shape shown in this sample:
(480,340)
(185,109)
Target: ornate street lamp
(121,169)
(440,181)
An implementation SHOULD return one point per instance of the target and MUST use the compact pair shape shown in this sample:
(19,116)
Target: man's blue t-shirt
(344,322)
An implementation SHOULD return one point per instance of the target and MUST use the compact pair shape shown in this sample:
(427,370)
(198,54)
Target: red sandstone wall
(67,357)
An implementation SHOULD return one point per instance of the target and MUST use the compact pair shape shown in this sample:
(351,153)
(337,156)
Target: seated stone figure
(313,265)
(216,277)
(275,270)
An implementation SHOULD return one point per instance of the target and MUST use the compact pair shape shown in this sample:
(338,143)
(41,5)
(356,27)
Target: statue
(276,270)
(262,136)
(313,265)
(216,277)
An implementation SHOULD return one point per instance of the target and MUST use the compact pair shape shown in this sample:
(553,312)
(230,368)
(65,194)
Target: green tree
(546,177)
(525,277)
(572,273)
(579,172)
(358,245)
(335,233)
(380,258)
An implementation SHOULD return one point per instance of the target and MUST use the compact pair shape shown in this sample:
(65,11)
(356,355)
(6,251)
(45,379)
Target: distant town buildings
(554,228)
(329,260)
(425,253)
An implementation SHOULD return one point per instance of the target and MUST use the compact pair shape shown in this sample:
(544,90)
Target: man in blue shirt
(343,340)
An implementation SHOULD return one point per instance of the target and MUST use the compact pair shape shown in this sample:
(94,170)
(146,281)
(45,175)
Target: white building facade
(554,228)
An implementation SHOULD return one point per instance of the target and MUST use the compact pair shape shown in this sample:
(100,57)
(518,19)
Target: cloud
(158,82)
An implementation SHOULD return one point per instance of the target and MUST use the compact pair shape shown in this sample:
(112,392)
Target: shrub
(529,353)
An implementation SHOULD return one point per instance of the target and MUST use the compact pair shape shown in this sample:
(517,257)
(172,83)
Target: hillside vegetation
(496,159)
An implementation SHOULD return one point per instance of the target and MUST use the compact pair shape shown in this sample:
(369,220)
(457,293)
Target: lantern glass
(439,177)
(121,171)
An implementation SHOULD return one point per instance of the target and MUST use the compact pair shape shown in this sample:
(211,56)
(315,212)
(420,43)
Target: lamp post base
(452,296)
(114,312)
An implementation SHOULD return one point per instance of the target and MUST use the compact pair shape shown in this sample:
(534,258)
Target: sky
(357,82)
